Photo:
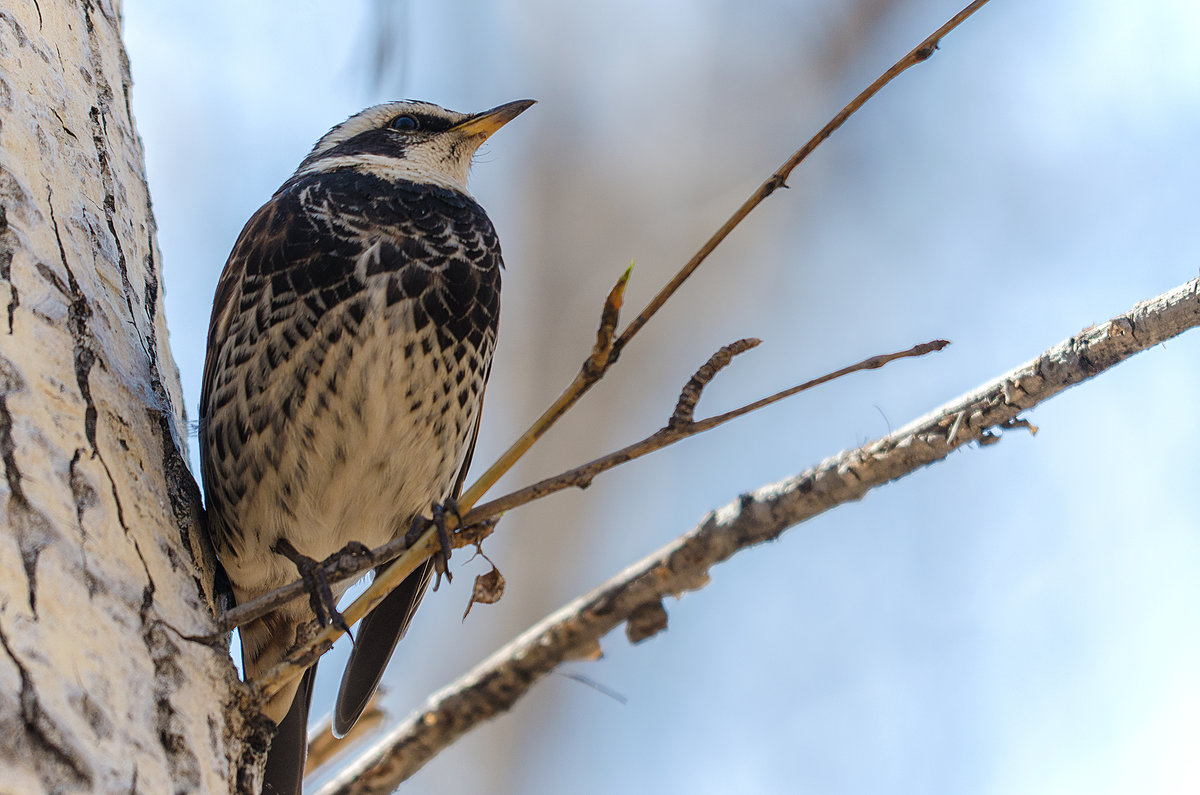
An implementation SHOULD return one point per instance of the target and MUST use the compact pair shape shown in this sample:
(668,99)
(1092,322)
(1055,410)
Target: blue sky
(1019,618)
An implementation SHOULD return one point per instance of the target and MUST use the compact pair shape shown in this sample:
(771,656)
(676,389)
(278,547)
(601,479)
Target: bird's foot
(320,595)
(354,549)
(441,559)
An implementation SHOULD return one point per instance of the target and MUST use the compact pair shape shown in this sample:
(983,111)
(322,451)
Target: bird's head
(414,141)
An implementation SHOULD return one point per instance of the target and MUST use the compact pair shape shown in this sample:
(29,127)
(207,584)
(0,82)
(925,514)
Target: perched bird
(350,342)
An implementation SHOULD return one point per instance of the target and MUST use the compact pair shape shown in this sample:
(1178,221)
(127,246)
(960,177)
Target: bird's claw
(320,594)
(437,520)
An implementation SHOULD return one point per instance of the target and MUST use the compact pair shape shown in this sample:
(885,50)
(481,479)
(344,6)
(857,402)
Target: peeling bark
(103,564)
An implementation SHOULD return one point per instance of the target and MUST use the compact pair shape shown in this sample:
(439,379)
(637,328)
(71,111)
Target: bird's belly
(378,437)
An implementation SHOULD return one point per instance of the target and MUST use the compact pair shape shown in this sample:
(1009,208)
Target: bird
(349,348)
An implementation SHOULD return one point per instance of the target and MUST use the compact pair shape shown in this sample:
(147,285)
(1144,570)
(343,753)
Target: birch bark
(103,565)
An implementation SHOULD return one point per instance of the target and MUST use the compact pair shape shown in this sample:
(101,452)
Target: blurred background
(1016,619)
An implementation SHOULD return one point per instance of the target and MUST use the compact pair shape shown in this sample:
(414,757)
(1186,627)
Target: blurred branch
(635,596)
(389,35)
(323,747)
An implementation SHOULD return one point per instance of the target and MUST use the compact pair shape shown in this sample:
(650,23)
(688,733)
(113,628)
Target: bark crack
(22,516)
(6,258)
(8,449)
(99,131)
(79,317)
(85,497)
(60,754)
(182,489)
(183,763)
(32,529)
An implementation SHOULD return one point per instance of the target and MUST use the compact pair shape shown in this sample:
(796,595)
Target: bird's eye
(404,123)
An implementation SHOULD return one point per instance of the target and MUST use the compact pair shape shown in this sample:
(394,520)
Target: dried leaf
(488,589)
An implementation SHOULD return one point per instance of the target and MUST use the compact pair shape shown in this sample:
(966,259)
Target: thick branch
(575,630)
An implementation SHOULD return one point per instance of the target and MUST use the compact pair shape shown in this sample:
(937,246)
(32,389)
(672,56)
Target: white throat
(413,168)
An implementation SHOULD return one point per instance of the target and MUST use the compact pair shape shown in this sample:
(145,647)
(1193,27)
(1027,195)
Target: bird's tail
(378,635)
(264,643)
(284,773)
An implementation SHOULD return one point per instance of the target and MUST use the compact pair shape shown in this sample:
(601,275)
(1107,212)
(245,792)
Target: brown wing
(254,242)
(241,282)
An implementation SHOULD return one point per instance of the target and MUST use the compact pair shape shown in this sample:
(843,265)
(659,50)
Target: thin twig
(574,631)
(677,430)
(480,521)
(592,369)
(588,375)
(685,407)
(778,180)
(395,573)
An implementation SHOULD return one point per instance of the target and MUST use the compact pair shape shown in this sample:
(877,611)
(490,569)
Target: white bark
(100,523)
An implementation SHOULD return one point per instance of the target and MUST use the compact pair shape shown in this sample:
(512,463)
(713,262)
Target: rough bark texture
(100,527)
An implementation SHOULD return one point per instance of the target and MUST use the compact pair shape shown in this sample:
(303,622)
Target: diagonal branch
(681,425)
(635,596)
(604,355)
(478,523)
(594,368)
(919,54)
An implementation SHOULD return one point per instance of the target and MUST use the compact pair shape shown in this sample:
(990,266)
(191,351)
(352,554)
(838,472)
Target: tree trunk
(103,563)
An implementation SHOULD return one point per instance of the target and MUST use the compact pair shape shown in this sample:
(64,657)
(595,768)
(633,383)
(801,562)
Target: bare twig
(685,407)
(590,372)
(918,54)
(480,521)
(323,747)
(679,428)
(575,630)
(344,566)
(596,365)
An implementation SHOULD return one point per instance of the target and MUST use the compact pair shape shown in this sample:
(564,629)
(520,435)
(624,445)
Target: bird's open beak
(484,124)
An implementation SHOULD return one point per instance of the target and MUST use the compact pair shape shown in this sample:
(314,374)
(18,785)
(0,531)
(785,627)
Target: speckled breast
(347,370)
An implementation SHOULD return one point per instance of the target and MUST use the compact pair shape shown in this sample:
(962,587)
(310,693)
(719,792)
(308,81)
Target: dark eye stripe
(425,122)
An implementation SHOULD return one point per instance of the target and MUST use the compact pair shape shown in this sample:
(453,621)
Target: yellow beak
(483,124)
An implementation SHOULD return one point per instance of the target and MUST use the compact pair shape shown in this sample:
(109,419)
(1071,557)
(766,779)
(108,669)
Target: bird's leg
(420,524)
(320,595)
(439,521)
